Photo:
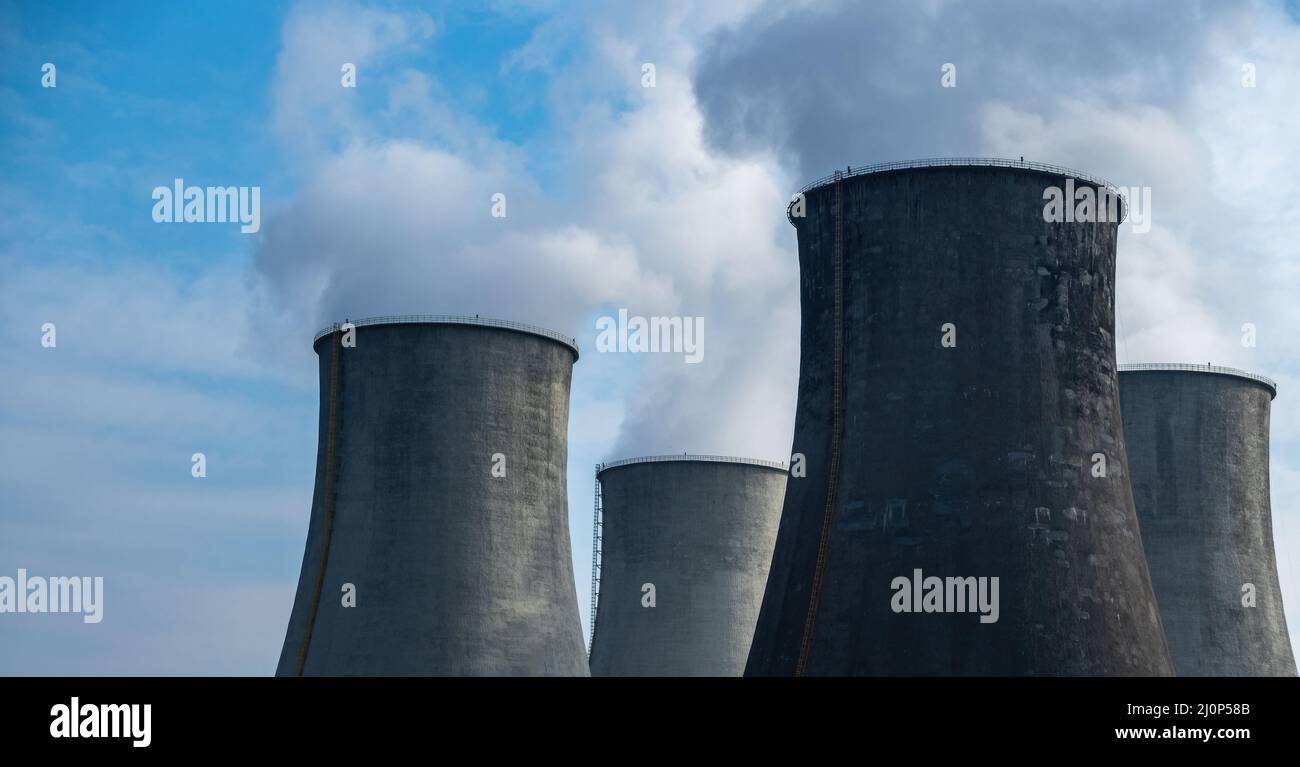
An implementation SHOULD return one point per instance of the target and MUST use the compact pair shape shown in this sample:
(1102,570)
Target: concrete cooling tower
(1198,456)
(440,508)
(686,544)
(965,509)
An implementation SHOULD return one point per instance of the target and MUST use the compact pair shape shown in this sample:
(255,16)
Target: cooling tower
(686,544)
(440,505)
(958,417)
(1198,456)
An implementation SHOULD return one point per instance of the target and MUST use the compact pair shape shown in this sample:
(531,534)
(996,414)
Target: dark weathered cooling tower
(440,504)
(957,394)
(687,541)
(1198,456)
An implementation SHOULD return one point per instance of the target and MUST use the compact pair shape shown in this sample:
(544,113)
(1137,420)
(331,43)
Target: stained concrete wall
(971,461)
(456,572)
(702,532)
(1198,457)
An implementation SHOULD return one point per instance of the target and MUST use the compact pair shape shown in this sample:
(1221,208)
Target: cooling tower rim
(964,162)
(450,319)
(689,458)
(1181,367)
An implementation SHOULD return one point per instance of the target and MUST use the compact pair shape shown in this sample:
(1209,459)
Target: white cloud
(135,316)
(96,438)
(311,110)
(655,222)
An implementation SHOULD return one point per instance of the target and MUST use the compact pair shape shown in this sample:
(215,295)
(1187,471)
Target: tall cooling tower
(958,413)
(440,505)
(687,541)
(1198,456)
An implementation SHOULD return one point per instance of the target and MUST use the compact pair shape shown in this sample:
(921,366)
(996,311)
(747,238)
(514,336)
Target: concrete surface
(702,532)
(1198,457)
(971,461)
(456,572)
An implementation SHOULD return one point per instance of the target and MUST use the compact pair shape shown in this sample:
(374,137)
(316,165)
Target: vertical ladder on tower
(327,495)
(595,559)
(837,430)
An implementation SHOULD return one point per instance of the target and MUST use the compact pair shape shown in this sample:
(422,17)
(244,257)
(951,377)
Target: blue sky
(175,339)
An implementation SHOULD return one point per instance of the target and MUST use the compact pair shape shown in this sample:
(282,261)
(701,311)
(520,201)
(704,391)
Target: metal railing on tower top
(941,162)
(979,162)
(451,319)
(688,457)
(1193,368)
